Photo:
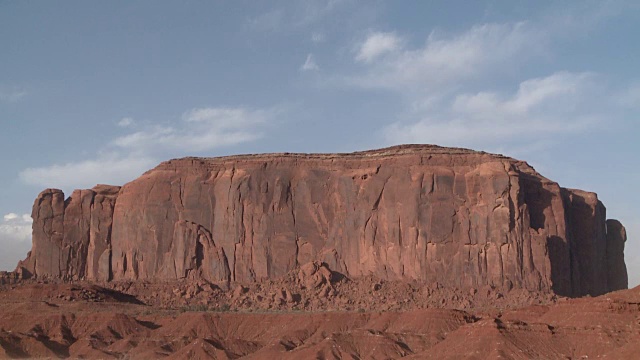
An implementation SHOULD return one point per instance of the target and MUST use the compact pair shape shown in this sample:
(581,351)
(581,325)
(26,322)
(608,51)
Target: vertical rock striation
(72,238)
(453,216)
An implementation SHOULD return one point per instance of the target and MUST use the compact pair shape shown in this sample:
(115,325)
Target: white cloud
(16,228)
(444,61)
(558,90)
(309,64)
(126,122)
(15,239)
(200,130)
(110,169)
(10,216)
(126,157)
(553,105)
(378,44)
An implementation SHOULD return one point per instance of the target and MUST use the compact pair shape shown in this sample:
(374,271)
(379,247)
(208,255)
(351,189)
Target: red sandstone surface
(413,251)
(426,213)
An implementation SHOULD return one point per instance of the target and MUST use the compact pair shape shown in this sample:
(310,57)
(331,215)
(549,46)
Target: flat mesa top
(409,149)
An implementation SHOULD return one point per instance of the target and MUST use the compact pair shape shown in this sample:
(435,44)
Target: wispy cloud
(630,97)
(309,64)
(582,17)
(113,168)
(268,21)
(557,92)
(11,95)
(551,106)
(438,80)
(200,129)
(311,11)
(378,44)
(126,157)
(126,122)
(303,13)
(317,37)
(445,60)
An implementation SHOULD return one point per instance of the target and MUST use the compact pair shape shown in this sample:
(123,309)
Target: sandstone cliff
(453,216)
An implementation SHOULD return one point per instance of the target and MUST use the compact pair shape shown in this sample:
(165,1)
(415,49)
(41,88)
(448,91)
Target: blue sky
(98,92)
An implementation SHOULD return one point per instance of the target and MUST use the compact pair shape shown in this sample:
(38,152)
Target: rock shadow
(538,199)
(149,324)
(337,276)
(560,260)
(121,297)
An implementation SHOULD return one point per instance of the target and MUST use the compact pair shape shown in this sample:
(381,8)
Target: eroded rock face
(452,216)
(72,238)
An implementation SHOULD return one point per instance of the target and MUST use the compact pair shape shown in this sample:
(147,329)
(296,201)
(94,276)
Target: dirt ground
(310,314)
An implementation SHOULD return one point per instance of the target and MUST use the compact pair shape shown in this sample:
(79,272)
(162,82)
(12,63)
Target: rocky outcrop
(452,216)
(72,238)
(616,268)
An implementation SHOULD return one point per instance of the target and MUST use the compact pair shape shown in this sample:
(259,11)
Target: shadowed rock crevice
(537,198)
(558,250)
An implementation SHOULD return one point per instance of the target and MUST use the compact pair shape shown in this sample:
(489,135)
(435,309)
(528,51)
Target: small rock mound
(314,275)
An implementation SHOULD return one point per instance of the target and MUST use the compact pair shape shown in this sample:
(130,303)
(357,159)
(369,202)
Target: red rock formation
(616,268)
(72,238)
(452,216)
